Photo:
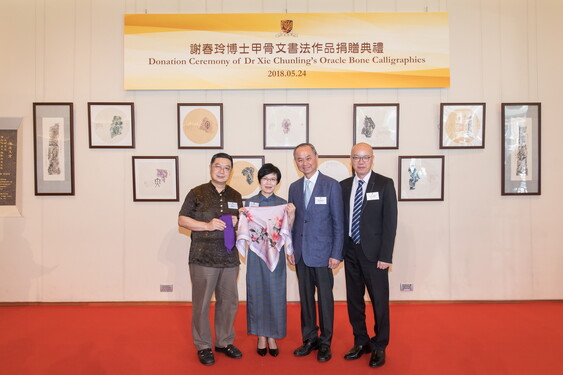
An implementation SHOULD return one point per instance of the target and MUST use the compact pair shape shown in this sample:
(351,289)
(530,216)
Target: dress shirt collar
(313,180)
(365,179)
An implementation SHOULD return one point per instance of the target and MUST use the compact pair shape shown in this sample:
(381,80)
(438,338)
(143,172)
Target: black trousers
(361,274)
(321,279)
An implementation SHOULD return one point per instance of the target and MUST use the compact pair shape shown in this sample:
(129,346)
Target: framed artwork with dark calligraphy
(53,140)
(421,178)
(111,125)
(9,163)
(244,178)
(462,125)
(521,149)
(377,125)
(285,125)
(200,125)
(155,179)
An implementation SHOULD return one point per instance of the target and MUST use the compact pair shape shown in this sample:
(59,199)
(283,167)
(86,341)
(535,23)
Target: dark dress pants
(361,274)
(321,279)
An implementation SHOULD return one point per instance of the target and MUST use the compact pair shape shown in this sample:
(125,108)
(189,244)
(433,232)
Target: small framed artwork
(338,167)
(155,179)
(377,125)
(244,178)
(111,125)
(53,139)
(521,149)
(462,125)
(421,178)
(285,125)
(200,125)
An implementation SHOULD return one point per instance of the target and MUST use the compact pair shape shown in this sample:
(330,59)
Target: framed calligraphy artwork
(53,140)
(521,149)
(377,125)
(285,125)
(421,178)
(155,179)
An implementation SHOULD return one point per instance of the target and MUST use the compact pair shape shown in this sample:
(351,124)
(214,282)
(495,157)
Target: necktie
(229,232)
(307,192)
(356,213)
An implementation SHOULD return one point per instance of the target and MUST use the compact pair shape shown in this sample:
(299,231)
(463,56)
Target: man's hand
(333,263)
(382,265)
(216,224)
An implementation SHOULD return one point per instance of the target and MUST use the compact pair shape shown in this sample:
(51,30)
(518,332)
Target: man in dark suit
(370,207)
(318,235)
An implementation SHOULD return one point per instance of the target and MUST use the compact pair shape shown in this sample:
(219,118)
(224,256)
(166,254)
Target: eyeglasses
(357,158)
(269,179)
(220,166)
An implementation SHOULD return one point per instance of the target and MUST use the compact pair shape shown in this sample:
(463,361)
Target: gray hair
(303,145)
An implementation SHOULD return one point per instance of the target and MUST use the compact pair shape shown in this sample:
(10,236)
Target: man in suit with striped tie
(370,207)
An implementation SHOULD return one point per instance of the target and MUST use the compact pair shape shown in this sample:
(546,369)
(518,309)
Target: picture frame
(244,177)
(462,125)
(521,149)
(377,125)
(200,125)
(285,126)
(338,167)
(111,124)
(53,141)
(421,178)
(155,179)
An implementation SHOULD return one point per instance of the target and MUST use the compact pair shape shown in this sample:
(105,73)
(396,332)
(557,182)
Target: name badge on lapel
(253,204)
(320,200)
(232,205)
(373,196)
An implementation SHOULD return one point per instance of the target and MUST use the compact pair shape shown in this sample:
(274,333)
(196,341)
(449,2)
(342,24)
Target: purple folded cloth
(229,232)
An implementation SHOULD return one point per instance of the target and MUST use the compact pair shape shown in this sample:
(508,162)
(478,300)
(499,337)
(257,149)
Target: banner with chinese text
(286,50)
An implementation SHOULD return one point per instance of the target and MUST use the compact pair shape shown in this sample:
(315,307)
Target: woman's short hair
(267,169)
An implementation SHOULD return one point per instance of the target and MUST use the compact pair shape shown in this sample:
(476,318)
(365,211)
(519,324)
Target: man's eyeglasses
(220,166)
(357,158)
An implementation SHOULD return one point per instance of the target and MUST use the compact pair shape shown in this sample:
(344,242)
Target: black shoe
(261,351)
(206,356)
(307,347)
(273,351)
(324,353)
(357,351)
(230,351)
(377,358)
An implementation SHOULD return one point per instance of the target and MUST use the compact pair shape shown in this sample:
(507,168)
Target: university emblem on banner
(286,26)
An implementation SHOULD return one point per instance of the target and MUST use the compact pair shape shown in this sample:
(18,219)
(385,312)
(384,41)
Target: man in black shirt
(210,212)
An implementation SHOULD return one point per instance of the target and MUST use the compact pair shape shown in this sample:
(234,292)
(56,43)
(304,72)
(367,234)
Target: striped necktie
(357,212)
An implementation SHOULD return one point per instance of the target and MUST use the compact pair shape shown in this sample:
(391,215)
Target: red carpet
(426,338)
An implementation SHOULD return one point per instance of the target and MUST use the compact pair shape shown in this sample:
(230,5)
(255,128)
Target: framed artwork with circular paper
(285,126)
(111,125)
(244,178)
(200,125)
(462,125)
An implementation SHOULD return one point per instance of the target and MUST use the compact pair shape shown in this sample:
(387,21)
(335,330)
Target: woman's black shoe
(262,351)
(273,352)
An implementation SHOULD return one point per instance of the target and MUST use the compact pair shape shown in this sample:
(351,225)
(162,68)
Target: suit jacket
(378,223)
(318,229)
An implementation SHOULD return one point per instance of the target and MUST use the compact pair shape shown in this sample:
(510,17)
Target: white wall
(101,246)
